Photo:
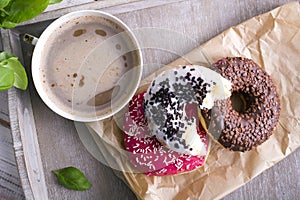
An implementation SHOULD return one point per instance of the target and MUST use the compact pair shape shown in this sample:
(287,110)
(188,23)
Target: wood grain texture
(279,182)
(199,20)
(66,150)
(4,108)
(67,3)
(10,187)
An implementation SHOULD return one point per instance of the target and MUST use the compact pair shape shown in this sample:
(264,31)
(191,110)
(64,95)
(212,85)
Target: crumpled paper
(273,41)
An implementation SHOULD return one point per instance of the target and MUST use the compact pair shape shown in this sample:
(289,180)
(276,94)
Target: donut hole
(240,101)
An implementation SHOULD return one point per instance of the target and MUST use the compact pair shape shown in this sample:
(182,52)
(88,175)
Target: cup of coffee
(87,65)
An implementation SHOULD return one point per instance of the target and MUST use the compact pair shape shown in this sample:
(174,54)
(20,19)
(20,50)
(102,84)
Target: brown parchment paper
(273,41)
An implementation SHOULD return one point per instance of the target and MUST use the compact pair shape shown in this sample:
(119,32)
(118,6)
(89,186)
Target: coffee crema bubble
(100,32)
(79,32)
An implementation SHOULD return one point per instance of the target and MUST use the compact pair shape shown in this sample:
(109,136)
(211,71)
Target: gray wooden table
(279,182)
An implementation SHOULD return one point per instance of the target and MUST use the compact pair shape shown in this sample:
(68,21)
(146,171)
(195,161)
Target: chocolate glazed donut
(246,125)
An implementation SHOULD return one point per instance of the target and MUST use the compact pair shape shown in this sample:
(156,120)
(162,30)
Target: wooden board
(10,186)
(43,141)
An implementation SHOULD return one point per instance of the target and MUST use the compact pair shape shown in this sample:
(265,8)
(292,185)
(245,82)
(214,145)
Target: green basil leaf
(7,24)
(18,11)
(6,78)
(3,3)
(72,178)
(54,1)
(5,55)
(20,77)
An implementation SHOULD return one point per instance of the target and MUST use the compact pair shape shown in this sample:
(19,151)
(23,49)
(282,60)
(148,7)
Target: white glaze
(218,88)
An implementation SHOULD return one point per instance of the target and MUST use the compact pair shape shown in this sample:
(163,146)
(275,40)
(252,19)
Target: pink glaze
(146,152)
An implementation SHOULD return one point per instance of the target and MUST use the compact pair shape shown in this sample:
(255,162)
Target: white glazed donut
(168,102)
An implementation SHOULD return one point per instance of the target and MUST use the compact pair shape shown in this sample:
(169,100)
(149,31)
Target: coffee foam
(84,57)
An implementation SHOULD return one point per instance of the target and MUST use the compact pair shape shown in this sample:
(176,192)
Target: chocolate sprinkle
(166,103)
(243,131)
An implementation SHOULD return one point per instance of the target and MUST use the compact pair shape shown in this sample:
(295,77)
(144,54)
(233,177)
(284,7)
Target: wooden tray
(44,141)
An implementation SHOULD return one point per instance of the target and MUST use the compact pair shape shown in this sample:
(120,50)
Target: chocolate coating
(246,129)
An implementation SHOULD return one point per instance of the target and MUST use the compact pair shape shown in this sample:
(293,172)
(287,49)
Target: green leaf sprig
(13,12)
(72,178)
(54,1)
(12,72)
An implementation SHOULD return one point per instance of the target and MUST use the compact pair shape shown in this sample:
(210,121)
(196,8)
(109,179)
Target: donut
(146,153)
(244,127)
(171,94)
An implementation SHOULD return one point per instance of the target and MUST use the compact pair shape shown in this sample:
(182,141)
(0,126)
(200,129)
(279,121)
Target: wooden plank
(279,182)
(200,20)
(4,118)
(24,134)
(67,3)
(25,140)
(10,187)
(117,6)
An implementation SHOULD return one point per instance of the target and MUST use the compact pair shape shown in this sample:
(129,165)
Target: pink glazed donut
(147,154)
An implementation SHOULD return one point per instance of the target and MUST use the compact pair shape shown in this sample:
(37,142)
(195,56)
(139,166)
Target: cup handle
(30,39)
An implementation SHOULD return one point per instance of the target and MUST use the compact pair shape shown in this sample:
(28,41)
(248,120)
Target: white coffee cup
(87,65)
